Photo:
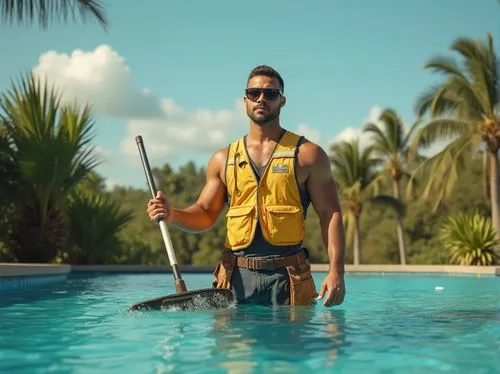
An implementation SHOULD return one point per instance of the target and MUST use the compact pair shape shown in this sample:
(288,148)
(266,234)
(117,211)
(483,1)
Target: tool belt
(269,263)
(301,285)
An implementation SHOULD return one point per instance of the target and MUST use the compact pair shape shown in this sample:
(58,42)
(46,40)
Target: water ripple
(387,325)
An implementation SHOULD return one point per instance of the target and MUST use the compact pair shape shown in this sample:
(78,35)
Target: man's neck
(262,133)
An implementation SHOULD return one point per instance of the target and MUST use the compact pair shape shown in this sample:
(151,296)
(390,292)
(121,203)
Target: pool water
(387,324)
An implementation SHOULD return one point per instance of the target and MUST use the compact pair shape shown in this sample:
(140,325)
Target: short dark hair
(268,72)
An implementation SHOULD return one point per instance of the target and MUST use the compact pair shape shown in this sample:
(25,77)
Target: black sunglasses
(270,94)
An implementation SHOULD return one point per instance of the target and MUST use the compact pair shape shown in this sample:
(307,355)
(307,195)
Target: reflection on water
(255,339)
(387,325)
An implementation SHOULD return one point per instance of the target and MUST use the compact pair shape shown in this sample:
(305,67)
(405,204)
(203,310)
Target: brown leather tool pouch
(224,272)
(302,287)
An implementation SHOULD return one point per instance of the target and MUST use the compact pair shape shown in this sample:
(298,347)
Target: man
(268,178)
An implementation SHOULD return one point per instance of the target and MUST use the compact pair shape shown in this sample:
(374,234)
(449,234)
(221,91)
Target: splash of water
(200,303)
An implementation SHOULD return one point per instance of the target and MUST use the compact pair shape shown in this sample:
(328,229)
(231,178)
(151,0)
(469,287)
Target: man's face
(263,107)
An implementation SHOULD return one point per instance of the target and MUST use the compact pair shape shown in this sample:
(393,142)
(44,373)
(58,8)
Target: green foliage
(391,141)
(142,241)
(54,207)
(313,240)
(360,180)
(27,11)
(8,187)
(182,188)
(94,224)
(463,111)
(52,154)
(471,239)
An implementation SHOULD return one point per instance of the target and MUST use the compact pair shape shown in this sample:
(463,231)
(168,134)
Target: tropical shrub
(470,239)
(52,154)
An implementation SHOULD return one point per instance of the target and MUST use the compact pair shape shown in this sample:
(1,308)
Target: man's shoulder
(220,155)
(307,146)
(310,152)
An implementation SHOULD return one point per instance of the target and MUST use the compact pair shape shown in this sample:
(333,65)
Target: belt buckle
(268,264)
(250,263)
(260,263)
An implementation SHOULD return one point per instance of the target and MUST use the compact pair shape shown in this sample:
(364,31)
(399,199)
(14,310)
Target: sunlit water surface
(387,324)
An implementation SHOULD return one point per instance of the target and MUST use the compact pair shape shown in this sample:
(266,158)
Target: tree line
(399,205)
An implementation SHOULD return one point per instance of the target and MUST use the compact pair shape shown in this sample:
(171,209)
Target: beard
(263,119)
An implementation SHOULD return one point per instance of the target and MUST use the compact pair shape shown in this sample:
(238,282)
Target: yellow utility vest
(274,201)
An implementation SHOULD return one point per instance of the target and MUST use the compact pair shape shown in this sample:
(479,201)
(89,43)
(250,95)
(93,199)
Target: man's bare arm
(325,200)
(203,214)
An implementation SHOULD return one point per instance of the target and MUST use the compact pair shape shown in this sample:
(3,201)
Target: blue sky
(174,72)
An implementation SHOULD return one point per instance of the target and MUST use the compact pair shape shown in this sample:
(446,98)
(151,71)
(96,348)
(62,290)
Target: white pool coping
(25,269)
(12,270)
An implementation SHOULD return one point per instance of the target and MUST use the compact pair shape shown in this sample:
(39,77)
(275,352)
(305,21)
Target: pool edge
(33,269)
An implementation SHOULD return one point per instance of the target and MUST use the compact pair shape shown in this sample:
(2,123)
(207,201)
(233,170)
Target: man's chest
(262,157)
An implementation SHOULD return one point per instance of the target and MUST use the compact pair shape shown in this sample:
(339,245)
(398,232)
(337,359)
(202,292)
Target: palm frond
(480,62)
(380,142)
(470,239)
(407,137)
(447,66)
(469,91)
(50,140)
(46,11)
(387,139)
(441,170)
(356,172)
(388,201)
(94,224)
(440,130)
(373,184)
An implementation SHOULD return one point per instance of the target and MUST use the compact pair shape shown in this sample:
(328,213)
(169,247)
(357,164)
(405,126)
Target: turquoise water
(387,324)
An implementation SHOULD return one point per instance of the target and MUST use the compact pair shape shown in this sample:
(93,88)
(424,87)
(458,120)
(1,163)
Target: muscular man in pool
(267,178)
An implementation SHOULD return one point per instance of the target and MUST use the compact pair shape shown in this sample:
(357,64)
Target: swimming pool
(391,323)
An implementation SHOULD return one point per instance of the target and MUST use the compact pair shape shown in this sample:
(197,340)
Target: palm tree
(463,109)
(52,154)
(359,179)
(28,10)
(8,186)
(94,224)
(392,143)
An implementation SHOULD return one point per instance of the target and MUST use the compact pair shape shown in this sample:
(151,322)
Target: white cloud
(315,136)
(373,116)
(110,184)
(351,133)
(104,155)
(99,77)
(102,78)
(310,133)
(347,134)
(178,130)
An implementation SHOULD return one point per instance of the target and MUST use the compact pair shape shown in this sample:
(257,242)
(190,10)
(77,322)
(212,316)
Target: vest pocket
(240,222)
(285,224)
